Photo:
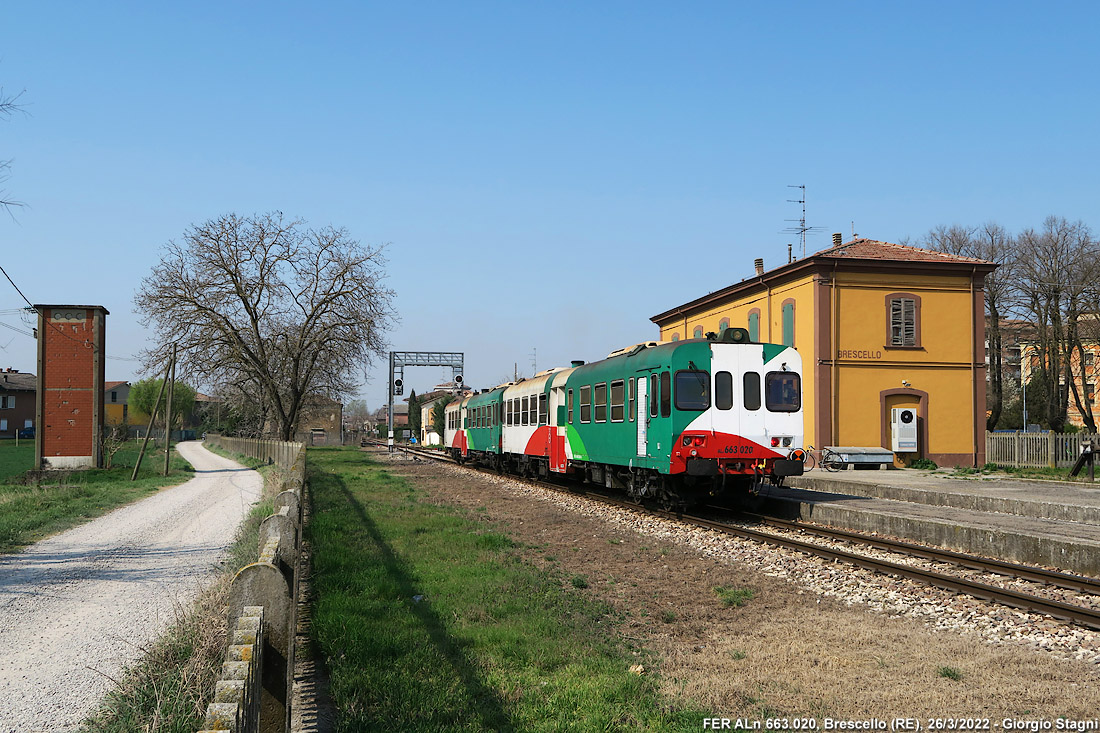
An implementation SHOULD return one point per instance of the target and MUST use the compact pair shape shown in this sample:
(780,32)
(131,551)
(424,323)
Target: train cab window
(751,394)
(617,401)
(692,390)
(782,392)
(599,400)
(586,404)
(544,410)
(653,395)
(723,390)
(569,406)
(633,399)
(666,394)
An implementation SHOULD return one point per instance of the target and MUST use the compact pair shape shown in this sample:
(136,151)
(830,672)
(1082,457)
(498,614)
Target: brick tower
(69,412)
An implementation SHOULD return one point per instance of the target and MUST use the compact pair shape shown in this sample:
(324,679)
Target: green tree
(143,395)
(439,415)
(414,414)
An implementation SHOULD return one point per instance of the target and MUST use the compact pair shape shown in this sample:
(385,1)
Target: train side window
(723,390)
(522,410)
(586,404)
(692,390)
(666,394)
(653,395)
(599,399)
(515,410)
(544,410)
(569,406)
(617,402)
(752,391)
(633,390)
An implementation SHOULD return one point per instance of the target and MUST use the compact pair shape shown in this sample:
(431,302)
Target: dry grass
(784,651)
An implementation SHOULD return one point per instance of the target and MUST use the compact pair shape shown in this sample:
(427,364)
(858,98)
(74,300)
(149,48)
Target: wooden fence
(1035,450)
(256,685)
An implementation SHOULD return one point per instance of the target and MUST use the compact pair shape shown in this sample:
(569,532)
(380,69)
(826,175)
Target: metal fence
(1035,450)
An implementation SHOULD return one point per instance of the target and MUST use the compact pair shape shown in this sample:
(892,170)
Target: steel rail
(1067,612)
(973,562)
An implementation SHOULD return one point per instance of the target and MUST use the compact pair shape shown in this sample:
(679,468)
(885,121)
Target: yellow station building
(879,326)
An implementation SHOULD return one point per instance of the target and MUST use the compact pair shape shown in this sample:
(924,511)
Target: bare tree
(277,310)
(8,105)
(1057,279)
(989,242)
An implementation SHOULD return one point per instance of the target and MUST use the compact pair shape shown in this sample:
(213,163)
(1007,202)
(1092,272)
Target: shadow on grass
(485,706)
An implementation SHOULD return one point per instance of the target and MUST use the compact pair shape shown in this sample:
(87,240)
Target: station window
(903,317)
(697,333)
(544,410)
(586,404)
(666,394)
(751,394)
(569,407)
(692,390)
(783,392)
(723,390)
(788,323)
(599,399)
(723,325)
(675,337)
(617,400)
(754,325)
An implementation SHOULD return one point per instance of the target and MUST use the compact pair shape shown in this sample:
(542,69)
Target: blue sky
(587,164)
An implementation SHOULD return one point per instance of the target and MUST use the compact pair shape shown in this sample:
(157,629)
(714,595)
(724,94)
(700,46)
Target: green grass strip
(31,510)
(429,621)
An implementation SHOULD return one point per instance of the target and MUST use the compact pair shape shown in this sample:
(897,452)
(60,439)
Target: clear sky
(546,176)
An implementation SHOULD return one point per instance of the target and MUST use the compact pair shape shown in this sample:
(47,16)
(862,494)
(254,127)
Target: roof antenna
(801,230)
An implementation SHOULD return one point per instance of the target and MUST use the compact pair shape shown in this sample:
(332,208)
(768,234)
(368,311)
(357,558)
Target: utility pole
(168,413)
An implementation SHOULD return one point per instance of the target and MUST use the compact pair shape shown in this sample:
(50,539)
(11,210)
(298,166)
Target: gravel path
(76,608)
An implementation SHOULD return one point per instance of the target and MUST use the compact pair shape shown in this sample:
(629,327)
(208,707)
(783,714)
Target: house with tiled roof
(879,326)
(116,403)
(17,401)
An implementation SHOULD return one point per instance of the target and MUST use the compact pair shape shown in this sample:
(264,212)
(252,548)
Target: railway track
(1073,613)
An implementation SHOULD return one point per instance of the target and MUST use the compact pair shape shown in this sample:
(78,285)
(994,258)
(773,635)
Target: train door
(642,415)
(659,431)
(556,431)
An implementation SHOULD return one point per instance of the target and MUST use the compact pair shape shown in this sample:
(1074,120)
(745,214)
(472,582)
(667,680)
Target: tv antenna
(801,230)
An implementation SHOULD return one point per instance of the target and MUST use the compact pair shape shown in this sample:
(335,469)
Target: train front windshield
(783,392)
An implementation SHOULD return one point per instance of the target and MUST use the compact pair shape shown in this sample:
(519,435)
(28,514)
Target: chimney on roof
(759,263)
(790,255)
(838,239)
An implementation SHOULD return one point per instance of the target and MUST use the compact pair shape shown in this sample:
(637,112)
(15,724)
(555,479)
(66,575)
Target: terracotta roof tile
(871,249)
(111,385)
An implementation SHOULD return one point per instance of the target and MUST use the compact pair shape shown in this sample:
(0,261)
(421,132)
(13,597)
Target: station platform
(1048,523)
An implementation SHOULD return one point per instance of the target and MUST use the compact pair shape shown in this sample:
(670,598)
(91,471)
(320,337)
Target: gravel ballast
(76,608)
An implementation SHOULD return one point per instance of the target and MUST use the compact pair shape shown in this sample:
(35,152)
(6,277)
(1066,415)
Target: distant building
(320,421)
(116,408)
(17,393)
(878,326)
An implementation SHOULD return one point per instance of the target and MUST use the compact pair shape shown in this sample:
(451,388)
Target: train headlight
(775,442)
(700,441)
(687,440)
(787,442)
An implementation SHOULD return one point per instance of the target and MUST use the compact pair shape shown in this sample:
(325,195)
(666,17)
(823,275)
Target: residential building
(116,408)
(878,326)
(17,393)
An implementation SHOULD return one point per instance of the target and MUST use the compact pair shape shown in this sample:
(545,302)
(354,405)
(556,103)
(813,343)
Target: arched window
(675,337)
(754,324)
(697,333)
(723,325)
(788,322)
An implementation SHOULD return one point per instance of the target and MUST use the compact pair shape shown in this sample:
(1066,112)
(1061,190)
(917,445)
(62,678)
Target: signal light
(775,442)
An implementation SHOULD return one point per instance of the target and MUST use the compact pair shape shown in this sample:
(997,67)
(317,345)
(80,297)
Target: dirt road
(76,608)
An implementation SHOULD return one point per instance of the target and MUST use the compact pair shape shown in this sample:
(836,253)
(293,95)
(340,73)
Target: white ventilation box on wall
(903,430)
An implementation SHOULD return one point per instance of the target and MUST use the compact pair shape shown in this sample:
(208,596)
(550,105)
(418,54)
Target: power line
(15,286)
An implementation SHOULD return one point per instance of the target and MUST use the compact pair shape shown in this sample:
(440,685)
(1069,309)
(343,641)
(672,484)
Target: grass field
(31,511)
(431,621)
(15,460)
